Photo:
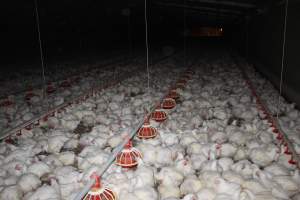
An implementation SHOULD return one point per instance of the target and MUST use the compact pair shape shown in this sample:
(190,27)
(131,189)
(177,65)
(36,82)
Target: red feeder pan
(98,192)
(182,80)
(187,76)
(7,102)
(173,94)
(275,130)
(29,127)
(168,103)
(65,84)
(287,151)
(9,140)
(292,161)
(159,115)
(50,88)
(29,95)
(180,85)
(190,71)
(128,157)
(147,131)
(279,137)
(76,79)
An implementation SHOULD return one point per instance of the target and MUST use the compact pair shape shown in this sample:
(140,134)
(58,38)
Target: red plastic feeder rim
(77,79)
(173,94)
(190,71)
(29,127)
(187,75)
(6,102)
(147,131)
(65,83)
(50,88)
(128,157)
(275,130)
(182,80)
(168,103)
(292,161)
(9,140)
(279,137)
(98,192)
(180,85)
(29,95)
(159,115)
(287,151)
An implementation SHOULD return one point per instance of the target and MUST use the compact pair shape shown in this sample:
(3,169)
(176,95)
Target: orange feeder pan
(29,95)
(98,192)
(6,103)
(159,115)
(190,71)
(187,77)
(65,84)
(50,88)
(77,79)
(168,103)
(292,161)
(128,157)
(182,81)
(147,131)
(180,85)
(174,95)
(287,151)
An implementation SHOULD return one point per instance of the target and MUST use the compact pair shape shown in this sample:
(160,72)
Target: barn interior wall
(265,39)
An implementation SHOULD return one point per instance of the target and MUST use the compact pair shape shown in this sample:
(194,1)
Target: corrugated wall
(265,46)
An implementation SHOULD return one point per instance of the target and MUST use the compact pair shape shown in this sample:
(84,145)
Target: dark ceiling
(70,11)
(74,25)
(216,11)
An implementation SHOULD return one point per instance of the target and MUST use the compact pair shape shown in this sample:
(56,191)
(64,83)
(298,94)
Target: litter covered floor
(210,142)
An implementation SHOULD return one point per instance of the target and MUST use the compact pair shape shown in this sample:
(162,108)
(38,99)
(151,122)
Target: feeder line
(147,47)
(116,151)
(274,120)
(282,57)
(41,52)
(11,131)
(19,128)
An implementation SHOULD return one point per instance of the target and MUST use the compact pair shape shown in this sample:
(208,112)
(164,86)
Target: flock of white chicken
(23,109)
(213,146)
(288,115)
(30,74)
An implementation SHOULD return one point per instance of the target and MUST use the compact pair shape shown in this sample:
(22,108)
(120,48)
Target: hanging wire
(147,47)
(282,57)
(247,37)
(41,51)
(184,34)
(129,33)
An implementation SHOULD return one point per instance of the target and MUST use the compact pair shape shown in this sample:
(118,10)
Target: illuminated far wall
(207,32)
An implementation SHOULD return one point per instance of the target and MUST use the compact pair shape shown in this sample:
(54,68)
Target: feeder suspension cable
(184,34)
(129,36)
(147,47)
(283,56)
(41,50)
(247,37)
